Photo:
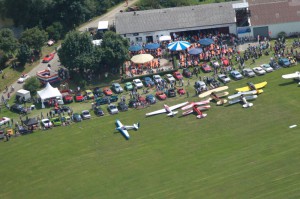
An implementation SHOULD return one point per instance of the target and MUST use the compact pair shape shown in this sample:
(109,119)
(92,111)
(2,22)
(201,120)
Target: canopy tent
(135,48)
(179,45)
(142,58)
(49,92)
(30,122)
(165,38)
(206,41)
(152,46)
(195,51)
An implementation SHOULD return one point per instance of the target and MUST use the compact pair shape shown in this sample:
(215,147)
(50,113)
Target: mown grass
(233,153)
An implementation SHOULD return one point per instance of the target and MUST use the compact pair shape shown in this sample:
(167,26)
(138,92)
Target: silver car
(247,72)
(112,109)
(224,78)
(85,114)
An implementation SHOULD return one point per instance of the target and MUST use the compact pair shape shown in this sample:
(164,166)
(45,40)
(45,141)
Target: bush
(32,85)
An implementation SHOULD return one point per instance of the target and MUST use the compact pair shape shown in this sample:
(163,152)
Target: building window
(124,35)
(138,39)
(135,34)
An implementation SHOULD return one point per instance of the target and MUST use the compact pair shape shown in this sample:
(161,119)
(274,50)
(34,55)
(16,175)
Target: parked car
(98,111)
(4,120)
(284,62)
(46,123)
(157,79)
(117,88)
(170,78)
(247,72)
(177,75)
(148,82)
(18,108)
(89,94)
(274,65)
(122,106)
(259,71)
(180,91)
(107,91)
(65,109)
(56,121)
(137,83)
(76,117)
(201,85)
(79,97)
(161,95)
(225,61)
(267,68)
(23,78)
(171,92)
(66,119)
(85,114)
(22,130)
(224,78)
(236,75)
(67,96)
(128,86)
(150,98)
(186,72)
(206,68)
(98,92)
(112,109)
(106,100)
(48,58)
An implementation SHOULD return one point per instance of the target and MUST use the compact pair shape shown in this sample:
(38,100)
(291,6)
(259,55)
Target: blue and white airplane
(123,129)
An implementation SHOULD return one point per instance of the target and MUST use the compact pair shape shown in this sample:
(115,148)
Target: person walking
(187,94)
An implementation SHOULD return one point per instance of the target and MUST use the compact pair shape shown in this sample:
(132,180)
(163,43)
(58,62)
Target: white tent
(49,92)
(165,38)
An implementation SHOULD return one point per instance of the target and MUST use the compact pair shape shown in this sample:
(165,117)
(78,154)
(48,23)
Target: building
(149,25)
(270,17)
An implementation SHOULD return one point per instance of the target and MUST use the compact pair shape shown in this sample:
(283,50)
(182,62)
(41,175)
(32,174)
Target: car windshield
(112,107)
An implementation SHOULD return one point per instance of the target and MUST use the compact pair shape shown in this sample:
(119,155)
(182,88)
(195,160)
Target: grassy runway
(232,153)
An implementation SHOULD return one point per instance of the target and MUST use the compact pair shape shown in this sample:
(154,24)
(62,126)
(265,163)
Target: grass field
(232,153)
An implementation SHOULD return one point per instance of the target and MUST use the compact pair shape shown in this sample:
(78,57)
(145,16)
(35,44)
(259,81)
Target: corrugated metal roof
(175,18)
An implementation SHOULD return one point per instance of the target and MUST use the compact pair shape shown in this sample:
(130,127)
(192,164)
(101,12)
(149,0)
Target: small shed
(23,95)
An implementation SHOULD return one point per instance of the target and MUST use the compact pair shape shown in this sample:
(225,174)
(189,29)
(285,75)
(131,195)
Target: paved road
(55,64)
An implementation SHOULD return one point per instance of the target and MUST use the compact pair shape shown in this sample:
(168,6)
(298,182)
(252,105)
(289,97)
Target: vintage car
(259,71)
(206,68)
(236,75)
(180,91)
(177,75)
(112,109)
(23,78)
(161,95)
(224,78)
(85,114)
(48,58)
(117,88)
(107,91)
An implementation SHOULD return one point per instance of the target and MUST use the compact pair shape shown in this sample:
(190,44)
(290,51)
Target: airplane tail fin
(136,126)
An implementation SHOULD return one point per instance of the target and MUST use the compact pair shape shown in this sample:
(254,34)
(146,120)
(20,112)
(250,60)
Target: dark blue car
(285,62)
(151,99)
(148,82)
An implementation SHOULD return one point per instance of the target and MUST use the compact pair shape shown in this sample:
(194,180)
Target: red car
(225,61)
(107,91)
(79,97)
(161,95)
(206,68)
(180,91)
(48,58)
(142,99)
(177,75)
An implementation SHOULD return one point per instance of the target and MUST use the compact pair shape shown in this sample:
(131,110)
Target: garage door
(261,31)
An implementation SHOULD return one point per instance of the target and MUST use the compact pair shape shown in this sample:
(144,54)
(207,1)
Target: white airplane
(295,75)
(242,98)
(123,129)
(168,110)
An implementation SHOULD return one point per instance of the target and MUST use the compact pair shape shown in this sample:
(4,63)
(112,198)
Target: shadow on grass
(288,83)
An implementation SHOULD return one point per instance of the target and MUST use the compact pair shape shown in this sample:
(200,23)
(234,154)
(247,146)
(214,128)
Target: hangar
(149,25)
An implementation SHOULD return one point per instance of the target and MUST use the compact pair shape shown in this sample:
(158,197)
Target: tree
(8,42)
(74,49)
(115,49)
(24,54)
(55,31)
(34,38)
(32,85)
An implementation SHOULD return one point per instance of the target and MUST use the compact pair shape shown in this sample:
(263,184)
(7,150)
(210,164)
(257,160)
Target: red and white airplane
(197,108)
(168,109)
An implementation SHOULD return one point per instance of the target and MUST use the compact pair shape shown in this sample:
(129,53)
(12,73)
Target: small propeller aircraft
(215,90)
(242,98)
(197,108)
(252,86)
(295,76)
(168,109)
(123,129)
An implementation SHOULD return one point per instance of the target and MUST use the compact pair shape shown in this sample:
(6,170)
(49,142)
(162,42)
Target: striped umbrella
(179,45)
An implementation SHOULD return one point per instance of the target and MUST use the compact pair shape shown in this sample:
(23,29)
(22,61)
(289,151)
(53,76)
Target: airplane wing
(202,102)
(156,112)
(243,89)
(178,106)
(188,106)
(188,112)
(118,123)
(292,75)
(195,103)
(252,92)
(260,85)
(124,132)
(207,93)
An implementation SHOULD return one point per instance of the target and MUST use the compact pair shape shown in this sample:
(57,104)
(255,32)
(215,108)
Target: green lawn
(232,153)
